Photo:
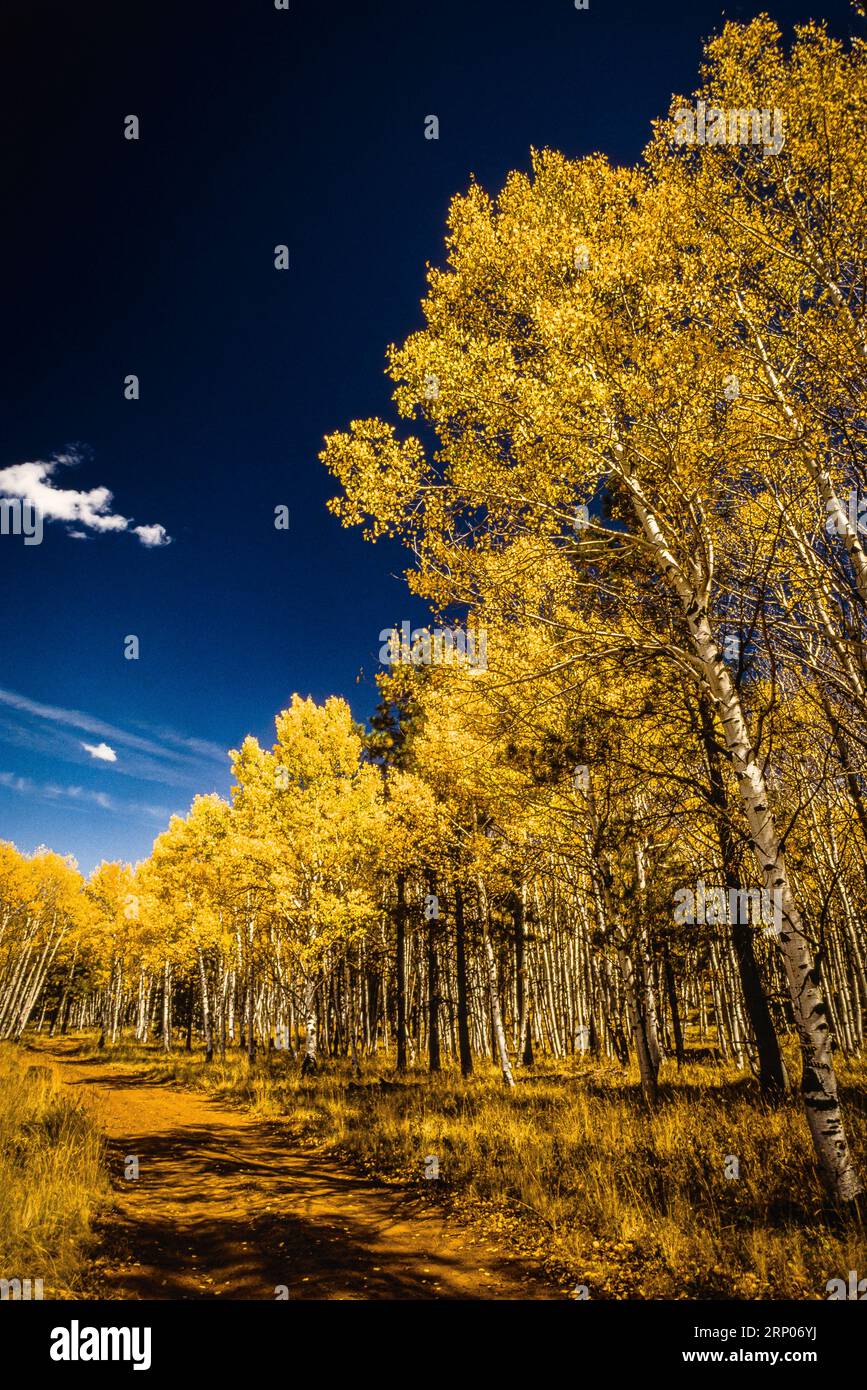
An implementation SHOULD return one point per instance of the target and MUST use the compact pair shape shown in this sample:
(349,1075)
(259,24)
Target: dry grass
(571,1167)
(51,1176)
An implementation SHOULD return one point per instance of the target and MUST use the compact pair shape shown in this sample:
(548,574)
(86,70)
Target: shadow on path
(226,1206)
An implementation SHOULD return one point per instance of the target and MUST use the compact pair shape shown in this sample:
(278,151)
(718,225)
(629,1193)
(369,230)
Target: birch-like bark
(496,1012)
(818,1081)
(206,1008)
(309,1061)
(167,1007)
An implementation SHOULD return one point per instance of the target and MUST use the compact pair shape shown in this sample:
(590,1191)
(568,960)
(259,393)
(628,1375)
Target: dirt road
(227,1206)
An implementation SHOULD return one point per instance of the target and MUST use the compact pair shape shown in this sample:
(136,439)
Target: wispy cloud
(147,755)
(34,483)
(199,747)
(87,724)
(52,791)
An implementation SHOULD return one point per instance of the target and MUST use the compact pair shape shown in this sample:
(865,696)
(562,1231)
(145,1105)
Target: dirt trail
(227,1206)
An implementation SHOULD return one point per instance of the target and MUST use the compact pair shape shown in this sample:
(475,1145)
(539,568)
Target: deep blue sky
(258,127)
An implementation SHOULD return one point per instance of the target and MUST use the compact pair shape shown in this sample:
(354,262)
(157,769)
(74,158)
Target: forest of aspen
(571,940)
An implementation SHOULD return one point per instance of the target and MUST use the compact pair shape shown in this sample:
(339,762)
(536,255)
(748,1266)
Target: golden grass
(571,1167)
(51,1176)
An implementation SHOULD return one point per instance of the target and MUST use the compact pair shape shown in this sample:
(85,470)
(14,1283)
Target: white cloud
(16,784)
(53,792)
(152,535)
(81,797)
(34,483)
(77,719)
(152,755)
(101,799)
(100,751)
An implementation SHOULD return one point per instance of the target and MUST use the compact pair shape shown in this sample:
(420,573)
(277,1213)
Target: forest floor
(230,1206)
(254,1177)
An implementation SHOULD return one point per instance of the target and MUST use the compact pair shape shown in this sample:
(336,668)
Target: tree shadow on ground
(230,1214)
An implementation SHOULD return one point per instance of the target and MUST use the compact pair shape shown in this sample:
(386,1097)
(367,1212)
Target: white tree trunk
(818,1081)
